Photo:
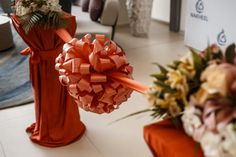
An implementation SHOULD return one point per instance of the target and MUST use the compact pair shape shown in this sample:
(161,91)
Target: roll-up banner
(210,21)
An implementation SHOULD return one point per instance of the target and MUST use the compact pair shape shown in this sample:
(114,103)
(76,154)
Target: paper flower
(87,70)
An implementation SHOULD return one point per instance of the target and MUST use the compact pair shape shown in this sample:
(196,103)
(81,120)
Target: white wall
(161,10)
(183,15)
(123,16)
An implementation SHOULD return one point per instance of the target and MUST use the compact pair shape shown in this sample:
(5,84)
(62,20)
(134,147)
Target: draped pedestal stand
(57,115)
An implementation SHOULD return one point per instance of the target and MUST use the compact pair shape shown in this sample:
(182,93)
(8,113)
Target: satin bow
(87,67)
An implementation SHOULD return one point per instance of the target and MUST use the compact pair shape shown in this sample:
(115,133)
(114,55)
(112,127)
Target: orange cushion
(165,140)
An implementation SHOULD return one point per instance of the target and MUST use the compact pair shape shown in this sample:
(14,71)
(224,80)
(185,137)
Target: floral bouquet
(46,13)
(175,83)
(202,87)
(210,117)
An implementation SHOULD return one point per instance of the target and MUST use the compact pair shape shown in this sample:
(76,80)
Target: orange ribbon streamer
(97,73)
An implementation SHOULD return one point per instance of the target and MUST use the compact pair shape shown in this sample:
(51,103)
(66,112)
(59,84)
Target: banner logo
(221,38)
(199,6)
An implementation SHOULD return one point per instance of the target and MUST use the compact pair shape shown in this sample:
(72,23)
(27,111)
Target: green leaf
(165,87)
(50,20)
(62,24)
(33,19)
(162,69)
(25,18)
(159,112)
(176,63)
(193,84)
(197,60)
(174,67)
(208,52)
(161,76)
(132,114)
(161,94)
(169,90)
(230,53)
(55,20)
(177,122)
(197,149)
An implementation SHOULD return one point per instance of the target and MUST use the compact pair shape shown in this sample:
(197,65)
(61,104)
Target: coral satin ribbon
(130,83)
(65,36)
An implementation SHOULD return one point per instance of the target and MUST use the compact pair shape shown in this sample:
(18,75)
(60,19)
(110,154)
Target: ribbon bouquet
(97,74)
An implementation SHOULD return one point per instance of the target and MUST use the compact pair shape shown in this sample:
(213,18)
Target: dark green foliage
(162,69)
(160,76)
(132,114)
(29,21)
(159,112)
(39,3)
(165,87)
(48,21)
(211,55)
(174,65)
(197,61)
(177,122)
(230,54)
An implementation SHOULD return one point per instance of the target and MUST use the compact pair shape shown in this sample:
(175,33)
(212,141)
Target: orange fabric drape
(165,140)
(57,116)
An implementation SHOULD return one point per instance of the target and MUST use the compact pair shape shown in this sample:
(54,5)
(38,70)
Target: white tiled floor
(102,138)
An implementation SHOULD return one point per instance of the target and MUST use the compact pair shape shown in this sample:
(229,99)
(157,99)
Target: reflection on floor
(102,139)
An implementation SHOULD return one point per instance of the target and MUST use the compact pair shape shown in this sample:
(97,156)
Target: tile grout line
(94,145)
(3,151)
